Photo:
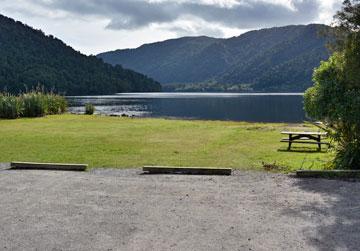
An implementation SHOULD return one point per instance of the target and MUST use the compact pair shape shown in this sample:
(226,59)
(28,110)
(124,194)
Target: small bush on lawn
(89,109)
(10,106)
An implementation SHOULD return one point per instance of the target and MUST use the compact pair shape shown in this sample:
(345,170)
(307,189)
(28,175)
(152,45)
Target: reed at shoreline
(31,104)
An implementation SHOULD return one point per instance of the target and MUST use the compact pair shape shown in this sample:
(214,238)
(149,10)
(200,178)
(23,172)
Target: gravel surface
(108,209)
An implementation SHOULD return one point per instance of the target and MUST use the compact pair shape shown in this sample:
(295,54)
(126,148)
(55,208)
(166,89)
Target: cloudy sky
(94,26)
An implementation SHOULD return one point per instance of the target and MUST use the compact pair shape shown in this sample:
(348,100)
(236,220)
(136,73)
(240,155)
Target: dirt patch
(107,209)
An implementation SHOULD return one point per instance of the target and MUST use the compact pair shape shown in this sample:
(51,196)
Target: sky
(94,26)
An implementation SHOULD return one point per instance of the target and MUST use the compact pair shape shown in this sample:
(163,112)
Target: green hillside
(29,58)
(276,59)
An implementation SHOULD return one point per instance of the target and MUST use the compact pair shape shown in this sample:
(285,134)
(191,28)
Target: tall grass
(55,104)
(31,104)
(10,106)
(34,104)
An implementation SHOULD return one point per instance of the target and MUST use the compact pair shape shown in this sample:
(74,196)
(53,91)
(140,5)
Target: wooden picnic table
(304,138)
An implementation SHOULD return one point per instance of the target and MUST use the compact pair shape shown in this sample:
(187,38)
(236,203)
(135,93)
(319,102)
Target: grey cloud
(132,14)
(124,14)
(196,31)
(257,14)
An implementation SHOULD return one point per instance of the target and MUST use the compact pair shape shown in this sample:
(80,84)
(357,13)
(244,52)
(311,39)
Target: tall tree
(335,96)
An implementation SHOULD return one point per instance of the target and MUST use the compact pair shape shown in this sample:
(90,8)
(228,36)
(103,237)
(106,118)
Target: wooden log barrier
(186,170)
(48,166)
(328,173)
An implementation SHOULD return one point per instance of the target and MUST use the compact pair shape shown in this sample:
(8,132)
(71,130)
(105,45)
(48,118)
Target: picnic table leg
(319,142)
(290,139)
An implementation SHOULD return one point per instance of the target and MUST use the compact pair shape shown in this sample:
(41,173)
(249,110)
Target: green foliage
(321,101)
(335,99)
(55,104)
(89,109)
(276,59)
(10,106)
(29,58)
(349,17)
(34,104)
(31,104)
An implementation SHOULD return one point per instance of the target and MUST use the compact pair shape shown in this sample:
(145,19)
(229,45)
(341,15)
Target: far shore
(164,94)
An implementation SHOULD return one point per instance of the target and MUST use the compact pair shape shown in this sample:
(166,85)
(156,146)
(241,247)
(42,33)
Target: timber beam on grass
(48,166)
(186,170)
(328,174)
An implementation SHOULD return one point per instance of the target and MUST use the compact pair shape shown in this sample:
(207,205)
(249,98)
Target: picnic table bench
(305,138)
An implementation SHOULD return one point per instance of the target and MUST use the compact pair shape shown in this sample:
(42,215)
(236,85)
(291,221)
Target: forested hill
(276,59)
(29,58)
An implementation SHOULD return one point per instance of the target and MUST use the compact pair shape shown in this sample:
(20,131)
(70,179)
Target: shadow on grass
(339,209)
(295,149)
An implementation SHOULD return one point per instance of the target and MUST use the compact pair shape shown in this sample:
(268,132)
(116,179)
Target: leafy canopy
(335,96)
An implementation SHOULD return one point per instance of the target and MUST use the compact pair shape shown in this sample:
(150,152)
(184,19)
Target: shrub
(31,104)
(55,104)
(89,109)
(37,104)
(10,106)
(34,104)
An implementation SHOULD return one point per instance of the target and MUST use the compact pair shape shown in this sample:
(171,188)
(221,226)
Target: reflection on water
(259,107)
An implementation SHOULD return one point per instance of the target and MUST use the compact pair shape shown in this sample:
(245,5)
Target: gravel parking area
(106,209)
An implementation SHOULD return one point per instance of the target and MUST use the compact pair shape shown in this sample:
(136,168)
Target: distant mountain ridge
(275,59)
(29,58)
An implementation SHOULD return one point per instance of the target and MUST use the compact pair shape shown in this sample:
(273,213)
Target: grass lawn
(127,142)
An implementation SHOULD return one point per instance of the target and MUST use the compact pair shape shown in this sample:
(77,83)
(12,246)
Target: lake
(253,107)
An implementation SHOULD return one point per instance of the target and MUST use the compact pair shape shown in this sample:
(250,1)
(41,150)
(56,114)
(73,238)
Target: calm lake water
(259,107)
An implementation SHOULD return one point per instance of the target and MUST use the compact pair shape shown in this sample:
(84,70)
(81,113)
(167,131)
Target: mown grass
(132,142)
